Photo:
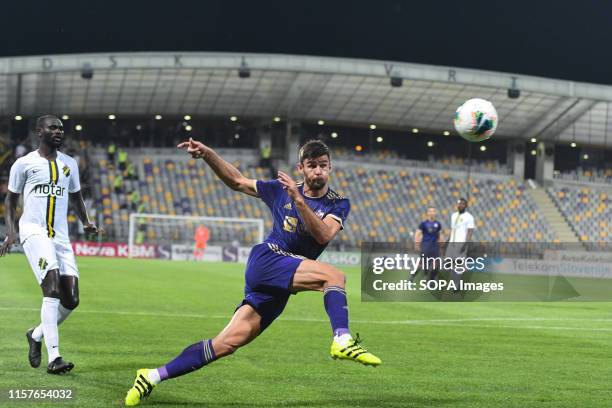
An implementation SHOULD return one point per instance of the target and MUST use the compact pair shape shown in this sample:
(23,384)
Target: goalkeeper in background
(200,238)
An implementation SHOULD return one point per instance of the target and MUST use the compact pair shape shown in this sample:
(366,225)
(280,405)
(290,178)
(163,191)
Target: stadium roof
(307,88)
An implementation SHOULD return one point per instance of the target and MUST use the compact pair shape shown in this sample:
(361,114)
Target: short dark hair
(313,149)
(464,200)
(41,119)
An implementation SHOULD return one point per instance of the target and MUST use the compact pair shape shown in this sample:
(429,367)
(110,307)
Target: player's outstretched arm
(229,174)
(76,199)
(10,211)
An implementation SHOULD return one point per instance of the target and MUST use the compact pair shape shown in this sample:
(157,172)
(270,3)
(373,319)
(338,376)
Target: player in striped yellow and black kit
(48,180)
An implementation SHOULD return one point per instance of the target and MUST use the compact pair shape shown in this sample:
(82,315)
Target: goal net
(192,237)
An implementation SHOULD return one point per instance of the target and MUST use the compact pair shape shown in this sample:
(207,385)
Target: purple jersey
(289,231)
(431,231)
(431,234)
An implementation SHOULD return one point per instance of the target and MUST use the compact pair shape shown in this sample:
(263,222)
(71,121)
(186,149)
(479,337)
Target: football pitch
(142,313)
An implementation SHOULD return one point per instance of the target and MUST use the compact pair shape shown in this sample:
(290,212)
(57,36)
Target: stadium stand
(388,201)
(440,163)
(167,183)
(596,175)
(588,210)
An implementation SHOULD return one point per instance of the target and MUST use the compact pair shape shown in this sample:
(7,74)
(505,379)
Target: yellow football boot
(353,351)
(141,389)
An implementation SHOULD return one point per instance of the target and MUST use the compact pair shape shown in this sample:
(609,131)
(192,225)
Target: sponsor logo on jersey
(49,190)
(290,224)
(287,206)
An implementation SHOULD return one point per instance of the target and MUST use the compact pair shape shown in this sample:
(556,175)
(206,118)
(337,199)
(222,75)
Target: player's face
(461,205)
(52,132)
(315,172)
(431,213)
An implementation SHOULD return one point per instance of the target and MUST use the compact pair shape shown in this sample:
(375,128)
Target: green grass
(142,313)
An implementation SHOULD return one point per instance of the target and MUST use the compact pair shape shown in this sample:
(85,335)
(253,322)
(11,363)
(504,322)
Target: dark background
(560,39)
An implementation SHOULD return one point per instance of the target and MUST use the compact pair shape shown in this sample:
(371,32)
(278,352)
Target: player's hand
(7,244)
(92,228)
(290,185)
(196,149)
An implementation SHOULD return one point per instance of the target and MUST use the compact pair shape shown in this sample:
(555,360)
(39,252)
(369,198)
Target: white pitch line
(603,329)
(462,322)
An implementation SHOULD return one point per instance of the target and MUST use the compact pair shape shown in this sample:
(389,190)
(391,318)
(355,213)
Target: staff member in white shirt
(462,228)
(462,223)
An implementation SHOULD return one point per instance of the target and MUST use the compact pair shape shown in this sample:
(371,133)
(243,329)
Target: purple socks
(334,298)
(192,358)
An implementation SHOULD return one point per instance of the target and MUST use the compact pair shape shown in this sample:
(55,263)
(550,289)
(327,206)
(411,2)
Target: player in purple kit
(307,216)
(427,241)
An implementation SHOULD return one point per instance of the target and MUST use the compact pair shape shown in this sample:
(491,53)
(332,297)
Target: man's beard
(50,141)
(315,184)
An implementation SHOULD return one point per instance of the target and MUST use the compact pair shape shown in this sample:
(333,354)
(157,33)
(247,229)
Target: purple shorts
(268,279)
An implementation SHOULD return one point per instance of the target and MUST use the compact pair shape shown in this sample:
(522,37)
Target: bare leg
(241,330)
(319,276)
(315,275)
(69,292)
(69,300)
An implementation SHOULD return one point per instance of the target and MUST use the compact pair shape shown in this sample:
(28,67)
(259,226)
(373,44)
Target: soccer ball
(476,120)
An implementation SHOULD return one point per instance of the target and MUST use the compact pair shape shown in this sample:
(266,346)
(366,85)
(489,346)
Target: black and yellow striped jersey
(45,185)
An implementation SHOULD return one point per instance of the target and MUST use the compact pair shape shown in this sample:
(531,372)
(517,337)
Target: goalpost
(180,230)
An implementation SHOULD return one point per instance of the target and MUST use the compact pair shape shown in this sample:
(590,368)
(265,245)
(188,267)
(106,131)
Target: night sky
(559,39)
